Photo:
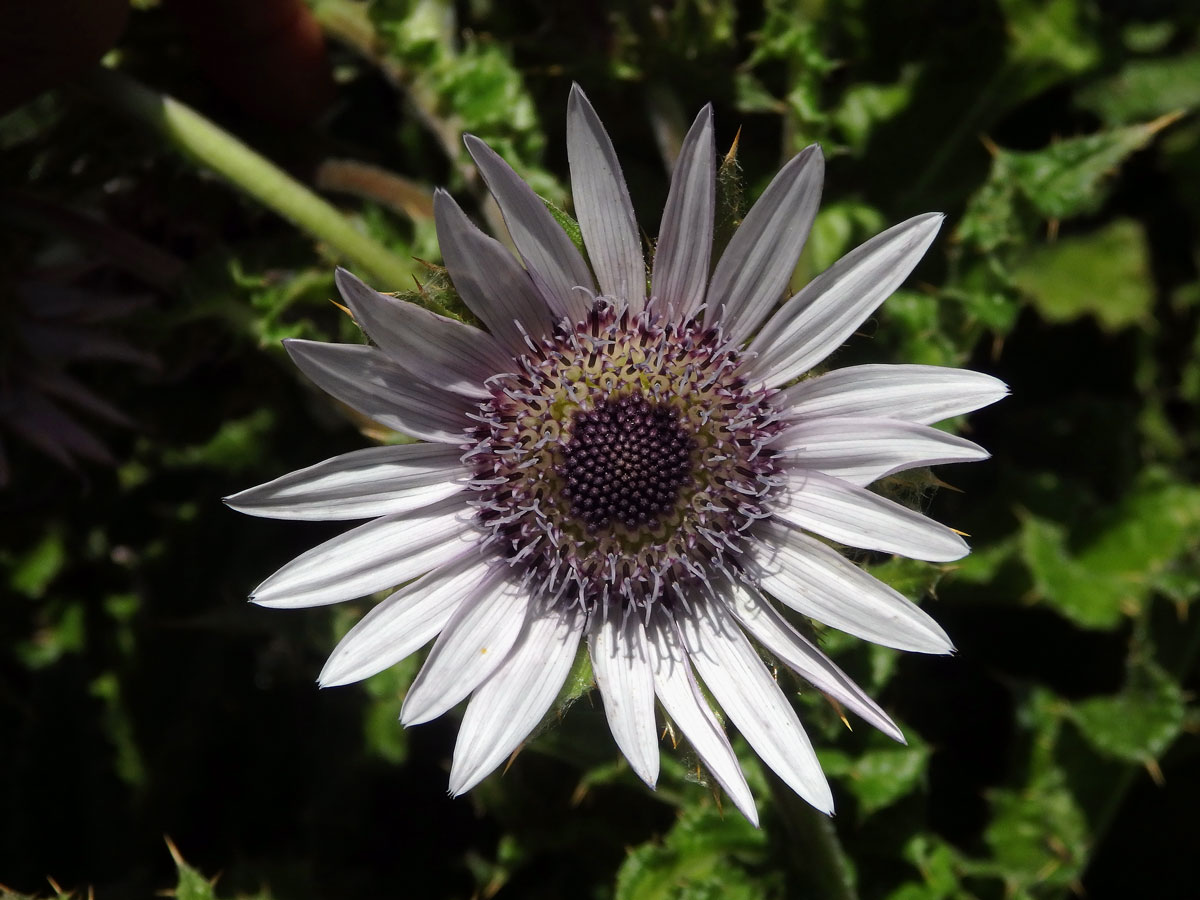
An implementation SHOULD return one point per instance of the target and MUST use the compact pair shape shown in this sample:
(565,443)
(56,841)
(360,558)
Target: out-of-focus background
(151,264)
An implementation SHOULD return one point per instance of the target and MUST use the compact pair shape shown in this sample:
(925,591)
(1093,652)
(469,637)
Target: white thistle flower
(640,468)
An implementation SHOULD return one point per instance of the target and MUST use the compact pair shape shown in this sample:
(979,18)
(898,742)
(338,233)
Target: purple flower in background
(50,324)
(635,462)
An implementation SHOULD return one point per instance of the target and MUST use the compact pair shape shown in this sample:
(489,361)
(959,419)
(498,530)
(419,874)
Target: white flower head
(629,461)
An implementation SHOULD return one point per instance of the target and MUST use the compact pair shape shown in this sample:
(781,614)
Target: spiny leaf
(1138,724)
(1144,539)
(704,855)
(1105,274)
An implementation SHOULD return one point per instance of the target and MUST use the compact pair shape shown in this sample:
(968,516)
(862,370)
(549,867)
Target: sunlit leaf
(1140,722)
(1105,274)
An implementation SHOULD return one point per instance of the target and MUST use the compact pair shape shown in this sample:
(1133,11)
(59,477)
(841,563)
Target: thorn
(432,267)
(344,309)
(1156,773)
(960,533)
(1164,121)
(841,714)
(731,156)
(512,759)
(989,145)
(578,795)
(944,484)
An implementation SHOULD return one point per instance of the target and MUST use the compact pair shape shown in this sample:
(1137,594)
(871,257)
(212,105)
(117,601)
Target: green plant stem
(249,172)
(814,847)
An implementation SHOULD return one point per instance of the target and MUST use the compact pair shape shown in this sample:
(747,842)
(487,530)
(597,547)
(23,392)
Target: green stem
(814,846)
(251,173)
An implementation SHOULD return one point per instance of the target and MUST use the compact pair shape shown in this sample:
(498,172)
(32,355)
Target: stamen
(625,462)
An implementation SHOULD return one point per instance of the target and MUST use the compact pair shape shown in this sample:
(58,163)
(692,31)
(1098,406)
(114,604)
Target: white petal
(493,285)
(622,668)
(854,516)
(602,205)
(362,484)
(365,379)
(684,251)
(815,580)
(471,647)
(405,621)
(861,450)
(816,321)
(686,705)
(512,702)
(436,349)
(741,683)
(756,267)
(380,554)
(921,394)
(775,633)
(555,264)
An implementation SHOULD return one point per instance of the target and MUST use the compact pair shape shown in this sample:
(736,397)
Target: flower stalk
(253,174)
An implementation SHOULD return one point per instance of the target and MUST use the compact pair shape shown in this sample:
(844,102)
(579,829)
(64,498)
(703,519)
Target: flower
(638,468)
(48,324)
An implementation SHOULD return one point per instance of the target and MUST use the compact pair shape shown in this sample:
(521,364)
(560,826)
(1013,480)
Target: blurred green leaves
(707,855)
(1143,545)
(1066,179)
(1138,724)
(1104,274)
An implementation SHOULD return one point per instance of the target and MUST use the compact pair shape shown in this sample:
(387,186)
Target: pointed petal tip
(474,144)
(648,777)
(345,280)
(333,676)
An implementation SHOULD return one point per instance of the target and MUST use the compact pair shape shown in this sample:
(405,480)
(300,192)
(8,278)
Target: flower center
(623,460)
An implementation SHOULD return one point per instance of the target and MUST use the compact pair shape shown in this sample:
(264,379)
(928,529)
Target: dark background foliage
(141,697)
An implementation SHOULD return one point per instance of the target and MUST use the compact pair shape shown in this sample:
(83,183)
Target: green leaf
(937,863)
(1082,595)
(1145,88)
(864,106)
(63,631)
(1066,179)
(381,724)
(1038,835)
(1105,274)
(191,885)
(1142,541)
(236,446)
(1138,724)
(837,229)
(1049,40)
(705,855)
(878,777)
(34,572)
